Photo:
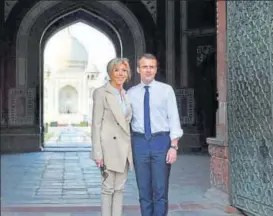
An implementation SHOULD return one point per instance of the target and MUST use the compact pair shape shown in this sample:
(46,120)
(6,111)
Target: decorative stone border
(151,5)
(9,4)
(21,106)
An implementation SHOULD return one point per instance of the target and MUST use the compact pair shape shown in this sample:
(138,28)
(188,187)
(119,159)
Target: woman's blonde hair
(116,62)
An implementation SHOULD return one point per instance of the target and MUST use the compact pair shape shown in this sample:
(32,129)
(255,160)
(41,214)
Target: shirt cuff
(176,135)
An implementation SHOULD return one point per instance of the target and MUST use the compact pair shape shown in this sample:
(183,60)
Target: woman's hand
(99,163)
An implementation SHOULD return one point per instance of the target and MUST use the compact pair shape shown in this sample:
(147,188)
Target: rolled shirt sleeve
(176,131)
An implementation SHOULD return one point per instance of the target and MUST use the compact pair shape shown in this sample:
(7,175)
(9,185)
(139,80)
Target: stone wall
(218,146)
(250,103)
(21,78)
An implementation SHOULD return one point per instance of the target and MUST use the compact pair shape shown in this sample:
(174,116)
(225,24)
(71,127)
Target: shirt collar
(151,84)
(115,90)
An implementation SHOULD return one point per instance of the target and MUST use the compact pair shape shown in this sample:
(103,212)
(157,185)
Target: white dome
(70,54)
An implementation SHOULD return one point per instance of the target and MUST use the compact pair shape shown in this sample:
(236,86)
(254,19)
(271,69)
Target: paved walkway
(68,184)
(70,138)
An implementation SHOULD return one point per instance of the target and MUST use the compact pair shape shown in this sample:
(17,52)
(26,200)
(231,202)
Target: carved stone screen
(185,103)
(21,106)
(250,105)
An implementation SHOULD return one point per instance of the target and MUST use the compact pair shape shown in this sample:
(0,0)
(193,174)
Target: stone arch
(108,30)
(112,36)
(40,8)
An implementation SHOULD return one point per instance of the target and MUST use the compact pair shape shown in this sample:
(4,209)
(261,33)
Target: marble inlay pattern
(250,128)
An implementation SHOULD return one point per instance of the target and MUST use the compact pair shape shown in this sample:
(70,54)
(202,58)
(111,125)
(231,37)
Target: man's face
(147,69)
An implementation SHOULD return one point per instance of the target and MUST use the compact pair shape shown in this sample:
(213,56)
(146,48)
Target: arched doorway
(112,18)
(125,27)
(74,59)
(68,100)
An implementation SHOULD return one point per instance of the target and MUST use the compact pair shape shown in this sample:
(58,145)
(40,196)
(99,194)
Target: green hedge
(81,124)
(53,124)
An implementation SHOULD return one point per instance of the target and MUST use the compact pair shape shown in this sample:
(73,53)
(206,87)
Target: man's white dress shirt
(163,109)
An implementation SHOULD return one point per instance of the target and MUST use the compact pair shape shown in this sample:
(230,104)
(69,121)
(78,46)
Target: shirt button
(114,137)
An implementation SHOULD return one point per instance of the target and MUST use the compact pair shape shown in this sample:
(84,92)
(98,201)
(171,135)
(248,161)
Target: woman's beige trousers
(112,193)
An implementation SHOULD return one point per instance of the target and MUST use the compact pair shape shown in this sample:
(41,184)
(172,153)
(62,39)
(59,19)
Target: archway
(45,17)
(74,61)
(33,26)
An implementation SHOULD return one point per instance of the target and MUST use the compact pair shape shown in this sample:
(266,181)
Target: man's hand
(99,163)
(171,156)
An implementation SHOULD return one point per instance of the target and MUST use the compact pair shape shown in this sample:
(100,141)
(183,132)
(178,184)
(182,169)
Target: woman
(111,141)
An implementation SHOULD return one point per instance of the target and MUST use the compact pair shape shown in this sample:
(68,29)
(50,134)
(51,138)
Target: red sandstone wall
(219,148)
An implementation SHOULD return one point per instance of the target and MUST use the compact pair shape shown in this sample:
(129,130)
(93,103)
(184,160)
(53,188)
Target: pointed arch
(123,14)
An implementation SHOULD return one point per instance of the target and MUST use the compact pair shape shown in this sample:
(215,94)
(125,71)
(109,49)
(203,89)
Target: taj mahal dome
(69,81)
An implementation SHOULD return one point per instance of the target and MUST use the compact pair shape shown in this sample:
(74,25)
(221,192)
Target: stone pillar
(170,50)
(184,55)
(1,90)
(56,98)
(1,55)
(1,59)
(218,146)
(2,15)
(85,96)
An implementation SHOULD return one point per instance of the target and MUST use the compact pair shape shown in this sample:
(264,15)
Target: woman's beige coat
(111,140)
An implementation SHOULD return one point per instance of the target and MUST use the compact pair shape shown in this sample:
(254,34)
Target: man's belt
(160,133)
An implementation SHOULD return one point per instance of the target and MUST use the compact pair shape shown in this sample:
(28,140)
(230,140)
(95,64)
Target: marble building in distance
(69,81)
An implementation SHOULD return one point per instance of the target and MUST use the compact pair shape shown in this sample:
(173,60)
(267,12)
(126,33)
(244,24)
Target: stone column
(1,55)
(218,146)
(50,99)
(170,50)
(2,15)
(84,96)
(1,89)
(56,98)
(184,41)
(1,59)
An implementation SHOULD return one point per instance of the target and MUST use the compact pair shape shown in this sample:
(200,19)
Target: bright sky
(99,47)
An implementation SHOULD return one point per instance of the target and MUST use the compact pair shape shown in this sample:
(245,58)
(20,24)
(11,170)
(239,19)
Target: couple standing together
(140,130)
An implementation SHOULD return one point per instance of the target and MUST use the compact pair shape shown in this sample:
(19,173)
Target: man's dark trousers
(152,173)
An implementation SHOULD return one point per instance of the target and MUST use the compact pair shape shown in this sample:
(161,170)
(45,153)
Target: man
(155,133)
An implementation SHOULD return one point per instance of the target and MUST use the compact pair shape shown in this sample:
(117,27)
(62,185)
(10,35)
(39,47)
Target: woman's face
(119,74)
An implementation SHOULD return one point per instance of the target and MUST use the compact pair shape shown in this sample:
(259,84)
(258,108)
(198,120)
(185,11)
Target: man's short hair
(147,56)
